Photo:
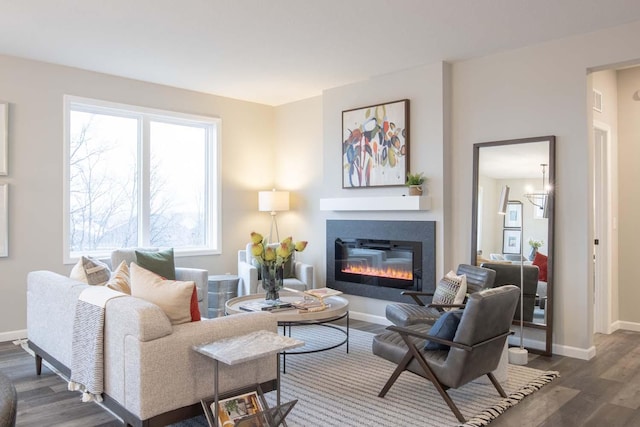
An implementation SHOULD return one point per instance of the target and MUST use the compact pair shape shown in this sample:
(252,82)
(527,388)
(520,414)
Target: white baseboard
(12,335)
(627,326)
(575,352)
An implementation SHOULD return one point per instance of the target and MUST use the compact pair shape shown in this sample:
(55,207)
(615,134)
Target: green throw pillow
(160,262)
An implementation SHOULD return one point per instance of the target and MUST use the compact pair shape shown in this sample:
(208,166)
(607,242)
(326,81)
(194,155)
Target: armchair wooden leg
(496,384)
(38,364)
(431,376)
(399,369)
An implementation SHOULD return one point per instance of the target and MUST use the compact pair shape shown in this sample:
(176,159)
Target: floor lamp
(273,201)
(517,355)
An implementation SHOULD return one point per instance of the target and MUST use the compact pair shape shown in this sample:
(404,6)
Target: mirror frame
(548,327)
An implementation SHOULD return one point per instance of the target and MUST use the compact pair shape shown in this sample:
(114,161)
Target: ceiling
(514,161)
(278,51)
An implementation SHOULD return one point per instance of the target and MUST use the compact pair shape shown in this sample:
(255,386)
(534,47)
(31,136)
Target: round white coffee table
(338,309)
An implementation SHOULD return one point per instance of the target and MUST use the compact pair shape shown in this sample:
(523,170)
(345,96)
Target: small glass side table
(244,348)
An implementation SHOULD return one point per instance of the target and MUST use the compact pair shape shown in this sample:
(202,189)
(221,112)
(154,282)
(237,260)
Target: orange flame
(391,273)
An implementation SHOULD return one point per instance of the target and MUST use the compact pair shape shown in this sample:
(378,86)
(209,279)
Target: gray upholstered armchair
(475,349)
(509,274)
(405,314)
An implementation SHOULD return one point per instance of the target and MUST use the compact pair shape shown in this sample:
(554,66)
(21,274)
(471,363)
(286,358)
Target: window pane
(102,184)
(178,173)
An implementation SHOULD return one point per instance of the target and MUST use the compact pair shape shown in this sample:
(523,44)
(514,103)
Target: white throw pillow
(90,271)
(172,296)
(451,289)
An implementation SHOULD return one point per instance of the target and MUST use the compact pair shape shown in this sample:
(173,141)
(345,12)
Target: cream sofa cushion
(120,280)
(172,296)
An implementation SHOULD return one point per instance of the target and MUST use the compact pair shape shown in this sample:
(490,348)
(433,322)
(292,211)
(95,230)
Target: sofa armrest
(248,275)
(201,279)
(160,375)
(51,307)
(304,272)
(144,320)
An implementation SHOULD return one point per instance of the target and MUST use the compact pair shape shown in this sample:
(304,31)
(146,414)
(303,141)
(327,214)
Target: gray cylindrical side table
(222,288)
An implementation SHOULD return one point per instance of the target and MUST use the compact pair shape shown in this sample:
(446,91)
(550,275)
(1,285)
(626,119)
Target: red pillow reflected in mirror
(541,261)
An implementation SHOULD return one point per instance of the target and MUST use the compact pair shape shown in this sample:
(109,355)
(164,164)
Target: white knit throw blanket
(87,355)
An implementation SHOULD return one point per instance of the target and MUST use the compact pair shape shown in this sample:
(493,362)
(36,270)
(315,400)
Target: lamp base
(518,356)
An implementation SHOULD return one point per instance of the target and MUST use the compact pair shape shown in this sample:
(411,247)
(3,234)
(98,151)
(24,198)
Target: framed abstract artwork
(375,145)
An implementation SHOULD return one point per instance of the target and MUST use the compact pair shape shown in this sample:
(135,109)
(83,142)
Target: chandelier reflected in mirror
(540,199)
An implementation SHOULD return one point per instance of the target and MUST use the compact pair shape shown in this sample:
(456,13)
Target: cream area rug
(334,388)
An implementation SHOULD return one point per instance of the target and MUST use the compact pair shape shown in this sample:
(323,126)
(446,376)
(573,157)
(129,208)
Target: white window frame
(213,186)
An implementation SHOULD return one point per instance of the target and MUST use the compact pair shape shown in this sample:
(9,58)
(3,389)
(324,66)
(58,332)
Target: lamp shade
(504,199)
(273,201)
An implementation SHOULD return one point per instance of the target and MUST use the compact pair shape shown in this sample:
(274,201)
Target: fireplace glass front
(382,263)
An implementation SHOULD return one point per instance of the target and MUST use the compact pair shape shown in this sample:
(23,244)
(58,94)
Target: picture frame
(4,138)
(4,220)
(511,241)
(375,145)
(513,216)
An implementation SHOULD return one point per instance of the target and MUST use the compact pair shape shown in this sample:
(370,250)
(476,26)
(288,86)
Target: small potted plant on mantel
(414,182)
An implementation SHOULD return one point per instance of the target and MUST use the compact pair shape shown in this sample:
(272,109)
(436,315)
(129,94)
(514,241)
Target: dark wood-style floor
(602,392)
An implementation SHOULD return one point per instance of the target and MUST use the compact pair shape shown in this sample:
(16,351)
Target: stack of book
(309,305)
(314,300)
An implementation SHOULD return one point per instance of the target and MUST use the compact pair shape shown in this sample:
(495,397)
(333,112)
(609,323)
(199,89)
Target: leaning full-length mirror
(519,243)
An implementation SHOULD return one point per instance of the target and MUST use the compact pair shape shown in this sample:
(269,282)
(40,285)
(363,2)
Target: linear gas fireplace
(379,259)
(375,262)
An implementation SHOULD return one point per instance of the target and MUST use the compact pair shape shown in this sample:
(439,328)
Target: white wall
(542,90)
(424,87)
(629,202)
(491,230)
(606,82)
(34,91)
(298,168)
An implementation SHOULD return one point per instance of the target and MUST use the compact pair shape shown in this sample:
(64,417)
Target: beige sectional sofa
(152,376)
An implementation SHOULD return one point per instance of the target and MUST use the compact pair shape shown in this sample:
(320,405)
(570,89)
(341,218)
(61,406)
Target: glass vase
(272,281)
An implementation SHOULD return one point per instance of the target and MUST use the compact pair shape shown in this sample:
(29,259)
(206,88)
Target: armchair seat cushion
(390,346)
(404,314)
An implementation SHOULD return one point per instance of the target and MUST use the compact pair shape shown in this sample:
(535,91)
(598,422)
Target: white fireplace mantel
(383,203)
